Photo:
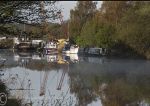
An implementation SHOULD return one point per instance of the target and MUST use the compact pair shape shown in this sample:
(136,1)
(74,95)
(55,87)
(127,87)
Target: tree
(83,11)
(96,34)
(134,28)
(27,11)
(54,30)
(113,10)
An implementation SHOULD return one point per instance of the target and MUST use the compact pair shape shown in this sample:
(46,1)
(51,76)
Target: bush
(6,43)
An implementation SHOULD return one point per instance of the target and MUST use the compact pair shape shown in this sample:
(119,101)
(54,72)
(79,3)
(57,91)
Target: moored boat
(97,51)
(51,47)
(24,46)
(73,49)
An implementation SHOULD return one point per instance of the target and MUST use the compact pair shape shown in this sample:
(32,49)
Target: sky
(68,5)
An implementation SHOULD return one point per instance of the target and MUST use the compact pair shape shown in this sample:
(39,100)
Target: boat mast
(68,30)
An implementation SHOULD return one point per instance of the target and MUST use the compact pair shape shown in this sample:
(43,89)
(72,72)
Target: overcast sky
(68,5)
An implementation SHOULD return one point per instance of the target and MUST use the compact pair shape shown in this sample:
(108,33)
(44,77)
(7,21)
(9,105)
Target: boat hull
(25,46)
(71,51)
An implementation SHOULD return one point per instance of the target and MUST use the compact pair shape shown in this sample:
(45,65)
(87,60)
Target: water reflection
(26,57)
(73,80)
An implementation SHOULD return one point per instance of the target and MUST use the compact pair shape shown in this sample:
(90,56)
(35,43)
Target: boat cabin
(97,51)
(50,45)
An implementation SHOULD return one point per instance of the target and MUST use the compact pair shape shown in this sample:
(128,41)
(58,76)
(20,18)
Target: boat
(23,43)
(97,51)
(24,46)
(73,49)
(70,49)
(51,47)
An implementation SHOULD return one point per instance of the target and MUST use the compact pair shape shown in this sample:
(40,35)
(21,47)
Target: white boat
(73,49)
(51,47)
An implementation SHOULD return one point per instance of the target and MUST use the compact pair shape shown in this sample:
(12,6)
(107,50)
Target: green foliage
(104,36)
(99,29)
(119,25)
(83,12)
(134,28)
(113,11)
(96,34)
(87,34)
(6,43)
(8,30)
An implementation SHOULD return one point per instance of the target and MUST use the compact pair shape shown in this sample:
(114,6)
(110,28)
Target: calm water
(60,80)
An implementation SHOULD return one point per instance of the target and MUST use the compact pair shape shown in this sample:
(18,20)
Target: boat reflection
(72,57)
(25,58)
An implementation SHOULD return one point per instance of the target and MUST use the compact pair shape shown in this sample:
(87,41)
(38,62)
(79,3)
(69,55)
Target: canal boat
(24,46)
(96,51)
(23,43)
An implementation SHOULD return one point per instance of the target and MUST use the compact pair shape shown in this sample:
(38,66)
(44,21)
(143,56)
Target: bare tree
(28,12)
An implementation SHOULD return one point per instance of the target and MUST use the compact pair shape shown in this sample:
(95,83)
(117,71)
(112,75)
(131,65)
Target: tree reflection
(114,88)
(121,92)
(82,90)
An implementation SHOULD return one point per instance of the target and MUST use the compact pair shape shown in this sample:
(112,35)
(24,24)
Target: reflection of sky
(68,5)
(48,58)
(37,79)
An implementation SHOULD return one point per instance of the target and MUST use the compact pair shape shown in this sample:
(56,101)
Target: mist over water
(74,80)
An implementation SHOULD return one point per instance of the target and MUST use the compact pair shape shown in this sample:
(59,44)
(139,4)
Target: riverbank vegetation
(122,26)
(6,43)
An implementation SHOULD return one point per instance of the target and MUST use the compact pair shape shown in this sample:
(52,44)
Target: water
(60,80)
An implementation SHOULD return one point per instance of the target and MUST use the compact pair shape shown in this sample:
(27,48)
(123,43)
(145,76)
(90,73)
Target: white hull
(72,51)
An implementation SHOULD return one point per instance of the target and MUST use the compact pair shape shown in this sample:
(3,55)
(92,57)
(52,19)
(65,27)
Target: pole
(68,30)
